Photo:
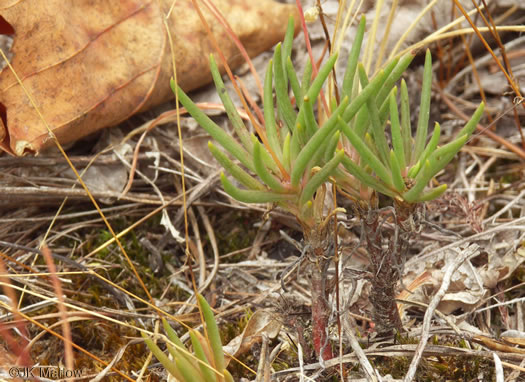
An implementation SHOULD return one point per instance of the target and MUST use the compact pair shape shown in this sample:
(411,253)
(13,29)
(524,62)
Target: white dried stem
(470,251)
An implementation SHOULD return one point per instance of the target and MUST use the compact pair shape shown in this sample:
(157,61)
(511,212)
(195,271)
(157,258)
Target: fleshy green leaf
(251,196)
(421,181)
(231,110)
(227,376)
(207,371)
(163,358)
(473,122)
(331,146)
(294,82)
(237,172)
(286,152)
(348,80)
(281,91)
(397,178)
(269,113)
(213,129)
(370,91)
(424,108)
(317,84)
(287,45)
(406,130)
(432,143)
(188,370)
(369,158)
(172,335)
(377,129)
(212,331)
(397,138)
(262,171)
(320,177)
(366,178)
(295,144)
(309,117)
(314,144)
(394,75)
(307,77)
(432,194)
(443,155)
(384,111)
(414,170)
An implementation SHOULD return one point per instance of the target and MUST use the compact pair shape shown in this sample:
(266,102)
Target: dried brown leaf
(91,64)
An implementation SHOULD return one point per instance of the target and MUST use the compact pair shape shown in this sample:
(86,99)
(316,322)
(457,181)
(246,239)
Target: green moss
(438,368)
(234,230)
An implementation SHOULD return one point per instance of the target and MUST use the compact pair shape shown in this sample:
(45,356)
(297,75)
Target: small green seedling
(206,363)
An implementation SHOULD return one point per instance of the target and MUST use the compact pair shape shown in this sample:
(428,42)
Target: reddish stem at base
(320,314)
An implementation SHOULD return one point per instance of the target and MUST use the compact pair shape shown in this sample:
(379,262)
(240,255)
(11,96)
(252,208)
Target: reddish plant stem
(320,309)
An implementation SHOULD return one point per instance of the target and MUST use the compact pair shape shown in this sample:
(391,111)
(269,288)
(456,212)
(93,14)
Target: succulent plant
(294,154)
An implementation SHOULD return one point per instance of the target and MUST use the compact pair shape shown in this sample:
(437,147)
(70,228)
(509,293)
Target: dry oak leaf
(90,64)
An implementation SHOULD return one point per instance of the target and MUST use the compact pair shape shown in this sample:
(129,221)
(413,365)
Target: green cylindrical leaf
(309,117)
(414,170)
(396,73)
(322,75)
(231,110)
(249,196)
(432,144)
(287,44)
(421,181)
(384,111)
(227,376)
(212,331)
(286,152)
(443,155)
(376,128)
(361,121)
(351,66)
(314,144)
(366,178)
(281,91)
(172,335)
(188,370)
(213,129)
(307,77)
(269,113)
(262,171)
(237,172)
(397,138)
(397,178)
(170,365)
(295,144)
(315,88)
(370,91)
(294,82)
(406,130)
(331,146)
(424,109)
(432,194)
(207,371)
(320,177)
(369,158)
(473,122)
